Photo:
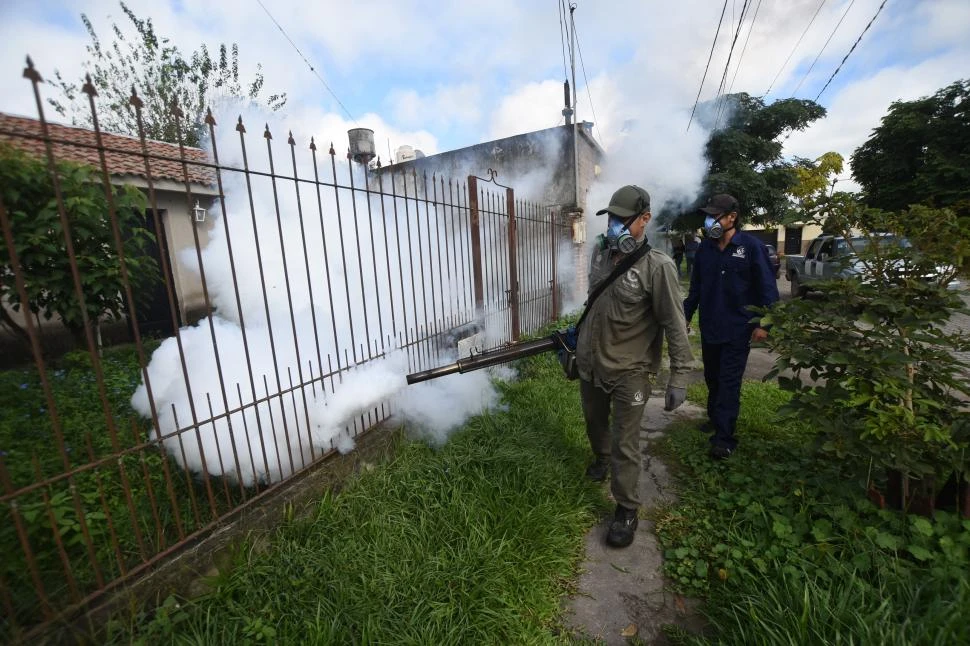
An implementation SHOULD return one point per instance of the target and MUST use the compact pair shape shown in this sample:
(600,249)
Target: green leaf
(921,526)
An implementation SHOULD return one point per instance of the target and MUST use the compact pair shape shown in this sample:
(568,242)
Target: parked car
(831,257)
(774,259)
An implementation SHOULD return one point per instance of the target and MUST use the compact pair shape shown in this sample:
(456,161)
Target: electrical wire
(562,39)
(745,48)
(878,11)
(706,67)
(821,51)
(793,49)
(312,69)
(721,97)
(588,94)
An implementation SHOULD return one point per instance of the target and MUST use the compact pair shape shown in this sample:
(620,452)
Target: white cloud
(448,106)
(857,109)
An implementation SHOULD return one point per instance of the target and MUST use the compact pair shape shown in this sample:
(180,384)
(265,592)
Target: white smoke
(301,364)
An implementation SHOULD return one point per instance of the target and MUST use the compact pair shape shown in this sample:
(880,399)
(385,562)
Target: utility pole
(572,63)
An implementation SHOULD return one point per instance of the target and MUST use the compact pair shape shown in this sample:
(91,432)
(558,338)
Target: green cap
(628,201)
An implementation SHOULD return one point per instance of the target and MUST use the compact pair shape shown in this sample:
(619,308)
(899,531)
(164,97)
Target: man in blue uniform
(731,275)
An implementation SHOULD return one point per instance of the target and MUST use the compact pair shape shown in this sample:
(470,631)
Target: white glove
(674,397)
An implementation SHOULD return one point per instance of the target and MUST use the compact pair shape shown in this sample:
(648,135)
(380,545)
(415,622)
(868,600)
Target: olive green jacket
(623,332)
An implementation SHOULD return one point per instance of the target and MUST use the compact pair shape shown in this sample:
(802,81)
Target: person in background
(619,348)
(678,252)
(690,250)
(731,275)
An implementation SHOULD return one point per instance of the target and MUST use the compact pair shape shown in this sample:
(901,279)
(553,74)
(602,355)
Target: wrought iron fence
(302,268)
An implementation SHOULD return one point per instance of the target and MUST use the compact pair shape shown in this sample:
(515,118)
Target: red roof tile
(123,154)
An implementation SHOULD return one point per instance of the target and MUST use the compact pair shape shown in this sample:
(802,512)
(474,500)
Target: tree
(744,156)
(27,194)
(161,74)
(920,153)
(814,190)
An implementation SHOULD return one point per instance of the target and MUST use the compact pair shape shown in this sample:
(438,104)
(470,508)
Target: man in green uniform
(619,349)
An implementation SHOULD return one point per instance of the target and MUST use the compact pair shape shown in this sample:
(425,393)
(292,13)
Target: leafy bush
(28,195)
(886,385)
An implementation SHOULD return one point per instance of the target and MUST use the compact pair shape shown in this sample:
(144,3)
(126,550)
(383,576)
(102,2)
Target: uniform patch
(638,397)
(631,278)
(739,252)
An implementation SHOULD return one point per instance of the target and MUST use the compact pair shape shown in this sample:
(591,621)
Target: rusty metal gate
(297,268)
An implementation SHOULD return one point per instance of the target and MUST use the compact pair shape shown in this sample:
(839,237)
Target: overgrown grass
(787,549)
(473,542)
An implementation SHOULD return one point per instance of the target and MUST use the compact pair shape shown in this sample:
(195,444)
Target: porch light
(199,212)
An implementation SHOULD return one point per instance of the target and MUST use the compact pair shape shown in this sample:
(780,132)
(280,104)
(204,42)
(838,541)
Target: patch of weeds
(783,542)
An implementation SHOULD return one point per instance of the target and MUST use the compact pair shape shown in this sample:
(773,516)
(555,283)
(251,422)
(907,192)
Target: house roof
(123,154)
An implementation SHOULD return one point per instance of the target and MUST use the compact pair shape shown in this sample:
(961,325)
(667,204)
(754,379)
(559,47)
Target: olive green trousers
(620,440)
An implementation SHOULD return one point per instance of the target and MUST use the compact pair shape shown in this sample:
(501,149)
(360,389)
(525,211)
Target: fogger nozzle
(490,358)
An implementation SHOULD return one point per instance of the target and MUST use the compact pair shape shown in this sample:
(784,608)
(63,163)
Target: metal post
(513,266)
(555,251)
(476,245)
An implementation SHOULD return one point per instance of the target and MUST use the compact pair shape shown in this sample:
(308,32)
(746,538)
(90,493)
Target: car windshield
(859,244)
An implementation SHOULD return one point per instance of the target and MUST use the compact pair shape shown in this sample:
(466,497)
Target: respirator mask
(713,228)
(618,236)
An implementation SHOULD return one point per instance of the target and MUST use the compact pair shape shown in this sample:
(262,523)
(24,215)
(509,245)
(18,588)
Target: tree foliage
(27,194)
(745,154)
(161,74)
(887,384)
(920,153)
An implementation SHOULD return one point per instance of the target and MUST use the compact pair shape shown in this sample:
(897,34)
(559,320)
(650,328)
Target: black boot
(623,528)
(599,469)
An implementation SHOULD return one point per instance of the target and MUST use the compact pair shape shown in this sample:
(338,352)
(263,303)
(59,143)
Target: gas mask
(618,236)
(713,228)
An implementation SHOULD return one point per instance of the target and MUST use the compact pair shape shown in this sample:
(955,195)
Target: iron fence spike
(31,73)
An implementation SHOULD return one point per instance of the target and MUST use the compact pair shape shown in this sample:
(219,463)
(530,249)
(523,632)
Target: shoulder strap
(621,268)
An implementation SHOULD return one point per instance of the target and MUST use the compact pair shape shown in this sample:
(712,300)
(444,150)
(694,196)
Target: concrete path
(621,593)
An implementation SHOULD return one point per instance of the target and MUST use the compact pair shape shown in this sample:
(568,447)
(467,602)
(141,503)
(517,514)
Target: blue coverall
(724,285)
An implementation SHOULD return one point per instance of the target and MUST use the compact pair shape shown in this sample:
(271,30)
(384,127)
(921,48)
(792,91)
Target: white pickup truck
(830,257)
(827,257)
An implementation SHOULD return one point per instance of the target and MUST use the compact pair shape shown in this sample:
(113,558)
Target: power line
(706,67)
(312,69)
(878,11)
(720,90)
(562,40)
(745,48)
(588,94)
(792,53)
(821,51)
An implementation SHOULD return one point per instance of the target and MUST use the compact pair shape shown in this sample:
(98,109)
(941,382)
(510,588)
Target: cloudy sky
(440,75)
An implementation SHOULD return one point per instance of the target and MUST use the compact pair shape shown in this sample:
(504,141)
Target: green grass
(479,540)
(786,548)
(115,534)
(475,542)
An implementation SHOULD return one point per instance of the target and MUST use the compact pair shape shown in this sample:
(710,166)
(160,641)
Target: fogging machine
(562,340)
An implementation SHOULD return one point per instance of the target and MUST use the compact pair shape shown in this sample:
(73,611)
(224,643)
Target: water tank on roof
(361,144)
(404,153)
